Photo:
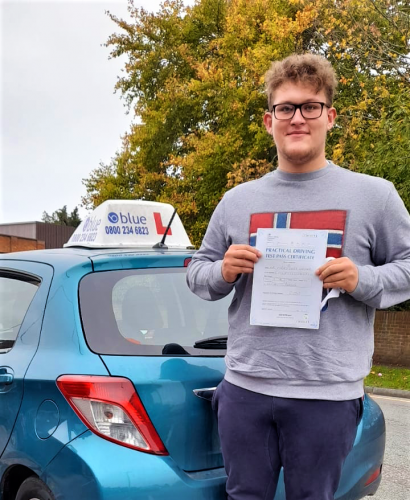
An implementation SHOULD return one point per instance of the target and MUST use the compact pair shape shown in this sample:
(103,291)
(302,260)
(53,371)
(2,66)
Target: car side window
(16,293)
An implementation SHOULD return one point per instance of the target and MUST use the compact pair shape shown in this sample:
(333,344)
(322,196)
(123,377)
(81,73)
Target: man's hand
(339,273)
(239,259)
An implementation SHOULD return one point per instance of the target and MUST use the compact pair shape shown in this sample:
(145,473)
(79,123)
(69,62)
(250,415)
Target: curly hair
(308,69)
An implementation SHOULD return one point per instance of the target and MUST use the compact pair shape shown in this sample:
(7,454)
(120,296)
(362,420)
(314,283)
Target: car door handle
(6,378)
(205,393)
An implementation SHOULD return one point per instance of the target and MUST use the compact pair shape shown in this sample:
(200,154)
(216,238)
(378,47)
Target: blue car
(108,364)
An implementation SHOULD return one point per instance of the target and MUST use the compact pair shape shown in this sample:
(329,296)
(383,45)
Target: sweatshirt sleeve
(204,274)
(387,282)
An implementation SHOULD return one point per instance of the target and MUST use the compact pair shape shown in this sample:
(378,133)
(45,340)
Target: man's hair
(307,69)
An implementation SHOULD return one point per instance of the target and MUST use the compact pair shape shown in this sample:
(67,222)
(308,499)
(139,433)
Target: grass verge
(389,378)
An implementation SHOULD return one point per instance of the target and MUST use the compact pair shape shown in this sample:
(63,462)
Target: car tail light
(111,408)
(187,261)
(374,476)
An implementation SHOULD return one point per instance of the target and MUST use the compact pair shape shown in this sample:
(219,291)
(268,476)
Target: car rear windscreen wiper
(212,343)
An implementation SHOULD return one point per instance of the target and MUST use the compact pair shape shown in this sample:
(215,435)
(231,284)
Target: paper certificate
(286,292)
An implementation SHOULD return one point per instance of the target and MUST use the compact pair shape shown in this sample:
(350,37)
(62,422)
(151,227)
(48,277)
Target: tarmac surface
(395,484)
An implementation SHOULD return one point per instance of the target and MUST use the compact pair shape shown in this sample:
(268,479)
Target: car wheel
(34,489)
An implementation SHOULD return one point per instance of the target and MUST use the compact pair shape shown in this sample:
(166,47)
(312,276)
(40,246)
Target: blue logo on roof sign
(113,217)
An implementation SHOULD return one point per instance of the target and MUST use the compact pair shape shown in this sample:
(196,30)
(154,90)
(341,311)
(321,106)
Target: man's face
(300,142)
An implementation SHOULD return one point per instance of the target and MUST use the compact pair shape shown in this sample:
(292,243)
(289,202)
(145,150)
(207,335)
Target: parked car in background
(107,366)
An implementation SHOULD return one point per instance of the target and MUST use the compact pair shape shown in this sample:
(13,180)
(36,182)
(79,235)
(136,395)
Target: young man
(292,397)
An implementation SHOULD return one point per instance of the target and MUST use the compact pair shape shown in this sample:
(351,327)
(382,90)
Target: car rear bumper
(91,467)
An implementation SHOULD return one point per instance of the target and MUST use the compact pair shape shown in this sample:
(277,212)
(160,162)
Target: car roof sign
(130,223)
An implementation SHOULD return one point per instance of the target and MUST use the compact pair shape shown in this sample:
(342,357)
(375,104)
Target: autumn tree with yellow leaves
(194,84)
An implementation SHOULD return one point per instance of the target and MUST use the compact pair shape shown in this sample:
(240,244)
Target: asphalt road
(395,484)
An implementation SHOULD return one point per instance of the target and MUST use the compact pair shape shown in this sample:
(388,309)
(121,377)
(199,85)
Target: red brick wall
(392,338)
(17,244)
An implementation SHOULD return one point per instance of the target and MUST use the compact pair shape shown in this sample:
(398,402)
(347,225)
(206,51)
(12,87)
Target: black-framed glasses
(309,110)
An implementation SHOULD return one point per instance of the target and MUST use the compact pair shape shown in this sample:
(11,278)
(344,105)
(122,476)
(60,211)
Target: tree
(62,217)
(369,42)
(194,82)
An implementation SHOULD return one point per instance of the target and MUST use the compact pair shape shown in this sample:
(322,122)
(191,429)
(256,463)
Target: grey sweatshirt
(367,222)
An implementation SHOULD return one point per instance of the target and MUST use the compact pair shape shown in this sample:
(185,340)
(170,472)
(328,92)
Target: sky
(59,115)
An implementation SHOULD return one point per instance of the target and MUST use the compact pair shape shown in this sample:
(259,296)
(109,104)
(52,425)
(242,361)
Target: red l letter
(158,223)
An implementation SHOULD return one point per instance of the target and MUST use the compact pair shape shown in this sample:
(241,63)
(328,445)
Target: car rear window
(141,311)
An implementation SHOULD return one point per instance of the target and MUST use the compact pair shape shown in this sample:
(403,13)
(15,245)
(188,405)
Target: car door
(24,288)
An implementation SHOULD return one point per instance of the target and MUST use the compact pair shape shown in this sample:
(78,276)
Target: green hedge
(404,306)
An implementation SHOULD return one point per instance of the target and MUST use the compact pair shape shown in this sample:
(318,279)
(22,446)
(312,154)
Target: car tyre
(34,489)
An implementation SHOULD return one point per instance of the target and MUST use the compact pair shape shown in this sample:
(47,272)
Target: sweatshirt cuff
(217,281)
(365,285)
